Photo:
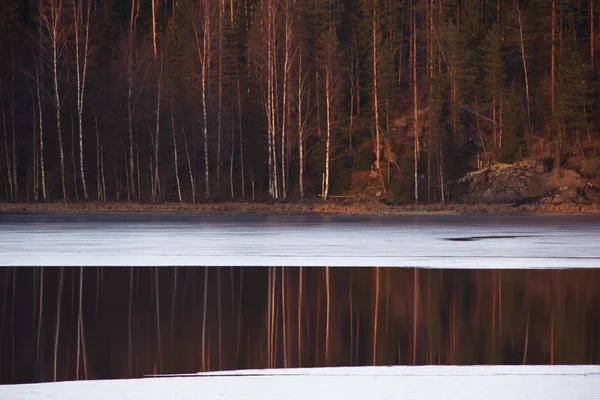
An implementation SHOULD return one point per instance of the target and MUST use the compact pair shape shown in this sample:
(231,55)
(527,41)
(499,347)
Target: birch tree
(54,39)
(81,21)
(203,38)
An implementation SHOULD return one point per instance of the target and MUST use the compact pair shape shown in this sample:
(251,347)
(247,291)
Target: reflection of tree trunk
(204,305)
(129,335)
(40,308)
(494,298)
(300,292)
(158,336)
(57,330)
(526,336)
(80,330)
(551,337)
(375,316)
(415,313)
(328,317)
(284,319)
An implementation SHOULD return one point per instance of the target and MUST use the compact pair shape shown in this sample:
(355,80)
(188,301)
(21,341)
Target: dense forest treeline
(99,323)
(187,100)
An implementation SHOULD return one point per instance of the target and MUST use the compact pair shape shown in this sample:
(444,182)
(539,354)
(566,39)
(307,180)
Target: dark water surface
(399,241)
(139,321)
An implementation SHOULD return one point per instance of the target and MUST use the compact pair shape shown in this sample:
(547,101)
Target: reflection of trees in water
(231,318)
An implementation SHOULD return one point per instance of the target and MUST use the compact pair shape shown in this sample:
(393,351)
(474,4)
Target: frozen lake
(399,241)
(430,382)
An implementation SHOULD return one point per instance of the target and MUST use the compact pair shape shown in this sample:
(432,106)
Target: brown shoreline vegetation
(330,207)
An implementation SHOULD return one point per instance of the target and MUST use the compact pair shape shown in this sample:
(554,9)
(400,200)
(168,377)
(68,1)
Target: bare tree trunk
(239,101)
(203,53)
(41,130)
(131,194)
(328,98)
(524,60)
(74,159)
(375,97)
(300,126)
(6,149)
(154,27)
(175,159)
(284,123)
(54,25)
(415,107)
(552,58)
(13,130)
(232,154)
(155,178)
(81,69)
(190,169)
(220,95)
(36,183)
(591,36)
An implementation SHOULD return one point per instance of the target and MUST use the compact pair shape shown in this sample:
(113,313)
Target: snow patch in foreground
(344,383)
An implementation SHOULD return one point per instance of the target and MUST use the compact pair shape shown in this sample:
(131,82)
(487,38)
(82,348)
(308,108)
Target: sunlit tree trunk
(592,36)
(415,106)
(300,126)
(53,24)
(375,96)
(155,177)
(203,50)
(328,117)
(190,169)
(81,63)
(41,130)
(154,5)
(239,104)
(131,71)
(220,94)
(175,158)
(524,59)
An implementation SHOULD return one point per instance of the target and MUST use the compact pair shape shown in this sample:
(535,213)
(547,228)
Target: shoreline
(368,207)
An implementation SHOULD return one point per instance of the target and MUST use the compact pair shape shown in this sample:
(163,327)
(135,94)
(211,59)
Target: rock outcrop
(526,182)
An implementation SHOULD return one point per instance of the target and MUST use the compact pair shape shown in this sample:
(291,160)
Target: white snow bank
(430,382)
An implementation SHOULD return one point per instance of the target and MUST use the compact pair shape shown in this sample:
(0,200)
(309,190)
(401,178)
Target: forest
(206,100)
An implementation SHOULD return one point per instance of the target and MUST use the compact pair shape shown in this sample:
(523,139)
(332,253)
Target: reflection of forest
(231,318)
